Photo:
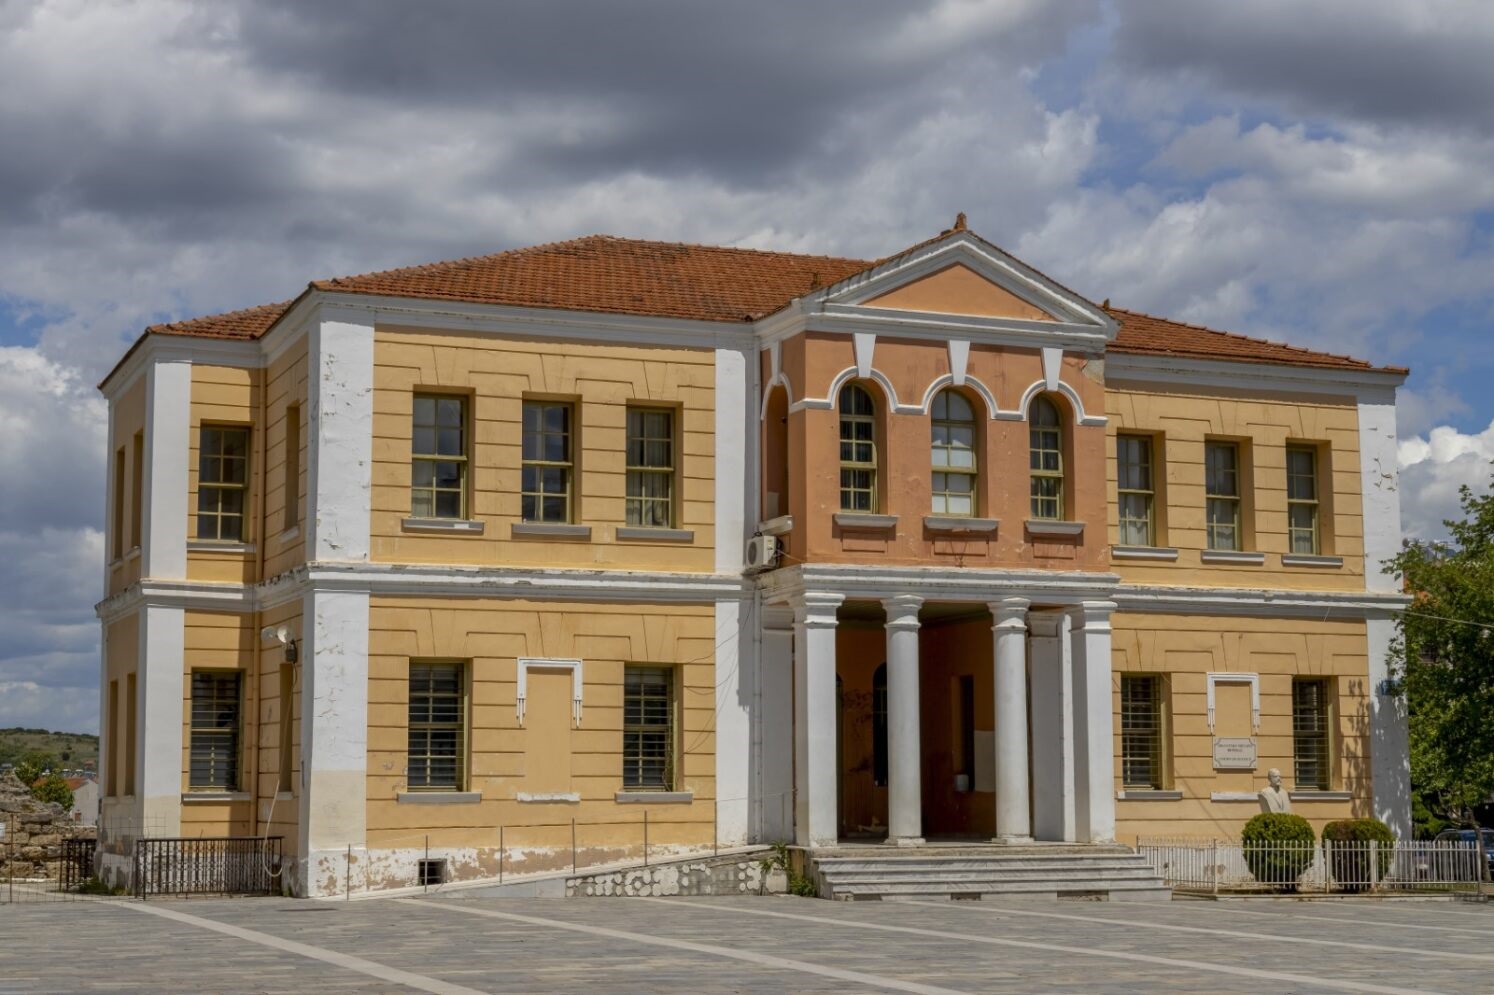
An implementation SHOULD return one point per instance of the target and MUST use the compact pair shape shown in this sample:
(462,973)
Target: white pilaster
(1013,815)
(159,692)
(168,421)
(339,463)
(1094,724)
(736,688)
(334,733)
(776,726)
(816,807)
(736,446)
(1052,727)
(904,741)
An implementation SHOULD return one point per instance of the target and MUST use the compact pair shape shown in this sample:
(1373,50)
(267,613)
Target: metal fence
(209,865)
(1325,867)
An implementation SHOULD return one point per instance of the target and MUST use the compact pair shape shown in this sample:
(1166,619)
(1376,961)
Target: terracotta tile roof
(612,275)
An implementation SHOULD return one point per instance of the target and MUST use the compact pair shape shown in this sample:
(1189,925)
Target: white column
(159,693)
(736,687)
(1052,727)
(339,465)
(775,727)
(164,513)
(1094,724)
(1013,819)
(816,808)
(904,744)
(334,735)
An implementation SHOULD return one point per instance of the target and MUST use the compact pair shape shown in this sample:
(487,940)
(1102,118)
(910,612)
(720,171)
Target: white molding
(340,368)
(930,326)
(443,526)
(438,797)
(957,524)
(165,347)
(845,376)
(1041,387)
(1143,553)
(1052,357)
(168,421)
(1130,369)
(863,521)
(1148,795)
(1304,560)
(1320,796)
(333,799)
(160,691)
(976,586)
(1234,796)
(1257,603)
(553,530)
(864,344)
(1240,557)
(993,410)
(214,546)
(535,663)
(1050,527)
(959,361)
(654,797)
(1221,677)
(736,439)
(548,797)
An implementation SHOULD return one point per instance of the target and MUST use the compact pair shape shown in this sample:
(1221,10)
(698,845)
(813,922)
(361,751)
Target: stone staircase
(985,871)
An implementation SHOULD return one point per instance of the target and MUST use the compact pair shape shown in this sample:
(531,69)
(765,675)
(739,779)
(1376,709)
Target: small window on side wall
(222,482)
(858,450)
(1046,460)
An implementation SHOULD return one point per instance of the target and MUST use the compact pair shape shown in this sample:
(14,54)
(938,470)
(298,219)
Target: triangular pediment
(958,289)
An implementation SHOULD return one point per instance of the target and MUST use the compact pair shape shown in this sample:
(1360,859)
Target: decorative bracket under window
(574,666)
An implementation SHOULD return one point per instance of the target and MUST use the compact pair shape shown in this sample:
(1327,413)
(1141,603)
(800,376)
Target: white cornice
(1177,371)
(165,347)
(1336,605)
(861,582)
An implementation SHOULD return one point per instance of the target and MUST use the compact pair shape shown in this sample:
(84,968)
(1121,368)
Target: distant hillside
(71,749)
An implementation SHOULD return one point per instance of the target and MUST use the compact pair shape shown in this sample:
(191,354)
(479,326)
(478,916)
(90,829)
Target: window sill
(859,520)
(563,797)
(954,523)
(289,535)
(657,535)
(1234,796)
(133,554)
(1148,795)
(214,796)
(1310,560)
(1044,527)
(1321,796)
(550,530)
(1143,553)
(654,797)
(1236,556)
(438,797)
(214,546)
(442,526)
(776,526)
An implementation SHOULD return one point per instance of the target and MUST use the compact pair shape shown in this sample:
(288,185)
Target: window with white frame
(953,431)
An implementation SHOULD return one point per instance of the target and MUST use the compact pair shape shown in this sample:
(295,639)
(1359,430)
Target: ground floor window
(1141,731)
(648,728)
(438,726)
(1311,739)
(217,703)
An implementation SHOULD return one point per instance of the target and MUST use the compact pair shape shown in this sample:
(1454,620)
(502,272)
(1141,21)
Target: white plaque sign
(1234,753)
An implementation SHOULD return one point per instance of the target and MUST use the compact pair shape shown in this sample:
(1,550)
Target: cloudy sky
(1312,172)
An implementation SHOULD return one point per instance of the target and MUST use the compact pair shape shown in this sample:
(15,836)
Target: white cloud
(1434,467)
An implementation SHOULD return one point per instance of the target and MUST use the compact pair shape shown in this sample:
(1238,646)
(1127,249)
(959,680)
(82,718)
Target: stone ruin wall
(34,831)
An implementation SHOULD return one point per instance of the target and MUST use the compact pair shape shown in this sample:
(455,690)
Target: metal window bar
(1302,500)
(208,865)
(1141,731)
(1222,495)
(858,450)
(1045,442)
(222,482)
(217,705)
(648,729)
(650,468)
(1134,488)
(437,727)
(1311,767)
(545,485)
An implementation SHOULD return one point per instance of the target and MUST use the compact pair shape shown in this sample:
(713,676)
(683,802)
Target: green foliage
(1278,847)
(54,789)
(1350,863)
(1446,665)
(798,884)
(74,748)
(1426,824)
(96,886)
(33,764)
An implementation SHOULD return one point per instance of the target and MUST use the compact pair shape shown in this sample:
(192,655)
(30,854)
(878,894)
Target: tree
(33,764)
(53,788)
(1444,655)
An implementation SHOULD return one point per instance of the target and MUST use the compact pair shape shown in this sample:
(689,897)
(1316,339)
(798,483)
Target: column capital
(1045,624)
(817,609)
(778,617)
(902,611)
(1092,616)
(1010,613)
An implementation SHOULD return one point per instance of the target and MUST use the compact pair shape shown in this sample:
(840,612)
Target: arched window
(953,444)
(1046,441)
(858,450)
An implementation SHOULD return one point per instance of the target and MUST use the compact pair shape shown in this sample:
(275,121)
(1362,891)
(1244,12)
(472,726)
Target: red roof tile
(1149,335)
(250,323)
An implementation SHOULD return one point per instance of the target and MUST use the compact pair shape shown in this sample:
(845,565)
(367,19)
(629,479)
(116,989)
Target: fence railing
(210,865)
(1323,867)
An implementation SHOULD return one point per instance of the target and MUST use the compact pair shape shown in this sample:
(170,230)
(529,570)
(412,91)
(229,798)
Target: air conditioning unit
(762,553)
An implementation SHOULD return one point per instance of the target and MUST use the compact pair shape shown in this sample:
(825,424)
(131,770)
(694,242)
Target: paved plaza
(463,944)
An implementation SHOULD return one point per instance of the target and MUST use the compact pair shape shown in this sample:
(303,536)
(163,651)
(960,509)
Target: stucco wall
(225,395)
(219,641)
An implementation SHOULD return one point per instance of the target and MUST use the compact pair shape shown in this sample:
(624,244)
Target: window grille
(1222,494)
(1133,458)
(858,450)
(432,871)
(650,498)
(1312,770)
(222,482)
(648,728)
(1141,731)
(216,706)
(1302,500)
(954,459)
(1046,464)
(438,733)
(438,457)
(548,463)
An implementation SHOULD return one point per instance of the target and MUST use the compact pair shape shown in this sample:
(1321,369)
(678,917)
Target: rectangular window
(1312,770)
(1141,731)
(1133,458)
(129,733)
(222,482)
(548,463)
(438,457)
(1302,500)
(438,727)
(287,712)
(216,709)
(119,503)
(648,728)
(1222,490)
(650,502)
(137,493)
(111,772)
(292,485)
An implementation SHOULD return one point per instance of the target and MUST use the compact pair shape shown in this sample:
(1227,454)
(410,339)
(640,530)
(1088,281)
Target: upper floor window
(1302,500)
(650,499)
(117,546)
(1046,445)
(858,450)
(438,457)
(1222,494)
(953,444)
(548,463)
(292,486)
(222,482)
(1134,489)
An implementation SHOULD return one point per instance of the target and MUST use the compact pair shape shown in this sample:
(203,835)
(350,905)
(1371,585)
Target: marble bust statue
(1273,796)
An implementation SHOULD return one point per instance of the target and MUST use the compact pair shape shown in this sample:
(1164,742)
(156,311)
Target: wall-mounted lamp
(282,636)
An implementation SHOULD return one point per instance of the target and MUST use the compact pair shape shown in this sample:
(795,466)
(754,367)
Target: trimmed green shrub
(1350,863)
(53,788)
(1278,847)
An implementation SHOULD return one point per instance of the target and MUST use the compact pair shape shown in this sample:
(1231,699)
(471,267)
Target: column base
(1013,840)
(905,841)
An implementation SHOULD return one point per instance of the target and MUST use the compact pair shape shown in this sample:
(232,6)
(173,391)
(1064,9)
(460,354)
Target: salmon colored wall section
(225,395)
(1184,649)
(219,641)
(813,361)
(496,374)
(958,289)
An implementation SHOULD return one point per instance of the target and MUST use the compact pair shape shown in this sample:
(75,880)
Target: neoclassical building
(470,560)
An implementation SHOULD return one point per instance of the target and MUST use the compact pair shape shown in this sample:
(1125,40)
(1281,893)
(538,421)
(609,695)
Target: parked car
(1466,837)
